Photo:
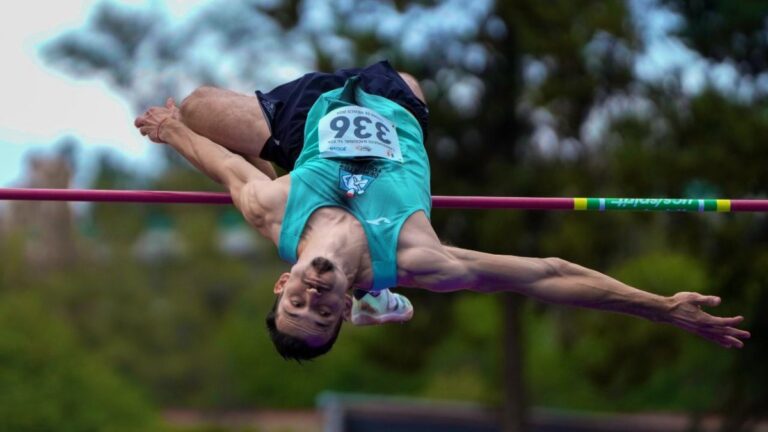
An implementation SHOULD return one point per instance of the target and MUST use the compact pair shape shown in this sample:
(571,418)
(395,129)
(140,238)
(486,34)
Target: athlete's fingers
(705,319)
(727,331)
(727,321)
(149,132)
(723,341)
(170,103)
(738,333)
(732,342)
(728,338)
(702,300)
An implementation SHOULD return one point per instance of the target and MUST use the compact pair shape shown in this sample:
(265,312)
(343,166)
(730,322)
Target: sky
(40,106)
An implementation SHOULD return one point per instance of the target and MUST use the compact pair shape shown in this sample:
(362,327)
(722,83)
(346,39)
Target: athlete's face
(313,298)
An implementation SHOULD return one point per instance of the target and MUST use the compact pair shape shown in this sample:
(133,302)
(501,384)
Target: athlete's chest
(337,225)
(334,224)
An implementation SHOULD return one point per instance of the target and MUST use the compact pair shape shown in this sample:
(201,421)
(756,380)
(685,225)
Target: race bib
(358,132)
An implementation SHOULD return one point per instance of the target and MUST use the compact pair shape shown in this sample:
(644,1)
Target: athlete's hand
(150,124)
(687,314)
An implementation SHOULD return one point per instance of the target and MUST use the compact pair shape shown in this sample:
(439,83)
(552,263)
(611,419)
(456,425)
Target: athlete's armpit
(262,204)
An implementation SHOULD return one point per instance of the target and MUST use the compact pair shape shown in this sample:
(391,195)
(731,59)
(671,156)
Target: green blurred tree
(526,98)
(47,381)
(725,31)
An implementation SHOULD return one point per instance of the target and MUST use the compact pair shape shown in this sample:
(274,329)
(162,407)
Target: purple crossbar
(127,196)
(145,196)
(176,197)
(520,203)
(749,205)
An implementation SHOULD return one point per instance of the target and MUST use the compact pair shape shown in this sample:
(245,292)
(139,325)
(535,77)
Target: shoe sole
(365,319)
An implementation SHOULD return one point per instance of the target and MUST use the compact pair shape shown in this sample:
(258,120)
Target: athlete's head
(312,302)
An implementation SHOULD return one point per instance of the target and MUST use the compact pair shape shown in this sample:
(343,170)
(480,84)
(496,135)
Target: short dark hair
(293,348)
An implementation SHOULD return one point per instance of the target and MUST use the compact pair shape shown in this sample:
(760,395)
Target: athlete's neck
(335,248)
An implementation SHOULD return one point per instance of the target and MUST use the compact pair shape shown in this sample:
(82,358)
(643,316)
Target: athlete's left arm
(557,281)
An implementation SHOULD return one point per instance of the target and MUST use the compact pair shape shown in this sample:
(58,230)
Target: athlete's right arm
(214,160)
(230,169)
(223,166)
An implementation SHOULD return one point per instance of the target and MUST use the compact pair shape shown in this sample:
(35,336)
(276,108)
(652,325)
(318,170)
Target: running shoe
(381,307)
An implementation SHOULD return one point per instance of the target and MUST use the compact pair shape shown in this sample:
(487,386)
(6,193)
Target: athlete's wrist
(167,128)
(656,308)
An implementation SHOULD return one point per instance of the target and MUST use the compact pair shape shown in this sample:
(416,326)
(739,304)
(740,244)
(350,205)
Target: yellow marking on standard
(579,203)
(723,205)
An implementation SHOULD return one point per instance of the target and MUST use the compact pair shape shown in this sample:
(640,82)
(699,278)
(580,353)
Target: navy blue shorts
(286,106)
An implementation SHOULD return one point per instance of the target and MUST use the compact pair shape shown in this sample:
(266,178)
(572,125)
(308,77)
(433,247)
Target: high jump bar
(455,202)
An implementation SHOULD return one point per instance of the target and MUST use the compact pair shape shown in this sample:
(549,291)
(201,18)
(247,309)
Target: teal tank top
(387,191)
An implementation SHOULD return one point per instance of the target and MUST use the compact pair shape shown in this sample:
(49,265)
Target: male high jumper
(352,215)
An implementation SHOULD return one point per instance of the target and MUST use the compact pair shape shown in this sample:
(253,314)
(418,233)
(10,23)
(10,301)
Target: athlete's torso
(267,208)
(387,202)
(363,153)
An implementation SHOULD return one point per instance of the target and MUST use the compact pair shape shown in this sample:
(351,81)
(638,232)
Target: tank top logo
(356,177)
(356,183)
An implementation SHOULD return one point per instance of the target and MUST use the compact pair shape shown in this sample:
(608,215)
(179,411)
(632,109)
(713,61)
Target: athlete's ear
(347,314)
(280,284)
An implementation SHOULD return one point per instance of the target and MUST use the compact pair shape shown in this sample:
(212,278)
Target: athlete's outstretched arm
(555,280)
(162,125)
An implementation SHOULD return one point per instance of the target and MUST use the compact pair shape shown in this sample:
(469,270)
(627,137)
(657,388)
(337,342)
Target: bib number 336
(358,132)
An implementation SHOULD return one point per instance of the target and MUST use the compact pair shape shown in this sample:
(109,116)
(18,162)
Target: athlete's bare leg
(413,83)
(230,119)
(236,121)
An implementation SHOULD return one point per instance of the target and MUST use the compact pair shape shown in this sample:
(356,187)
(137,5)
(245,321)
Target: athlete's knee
(204,92)
(199,95)
(413,83)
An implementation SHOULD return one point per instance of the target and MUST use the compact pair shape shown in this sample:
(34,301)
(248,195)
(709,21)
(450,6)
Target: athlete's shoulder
(416,242)
(263,205)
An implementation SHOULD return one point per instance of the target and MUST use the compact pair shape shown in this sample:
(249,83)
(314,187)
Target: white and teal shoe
(381,307)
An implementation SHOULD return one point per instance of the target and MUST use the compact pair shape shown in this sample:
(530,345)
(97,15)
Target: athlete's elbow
(557,267)
(443,275)
(455,275)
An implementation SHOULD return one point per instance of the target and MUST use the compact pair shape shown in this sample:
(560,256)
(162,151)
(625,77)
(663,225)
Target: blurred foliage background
(134,308)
